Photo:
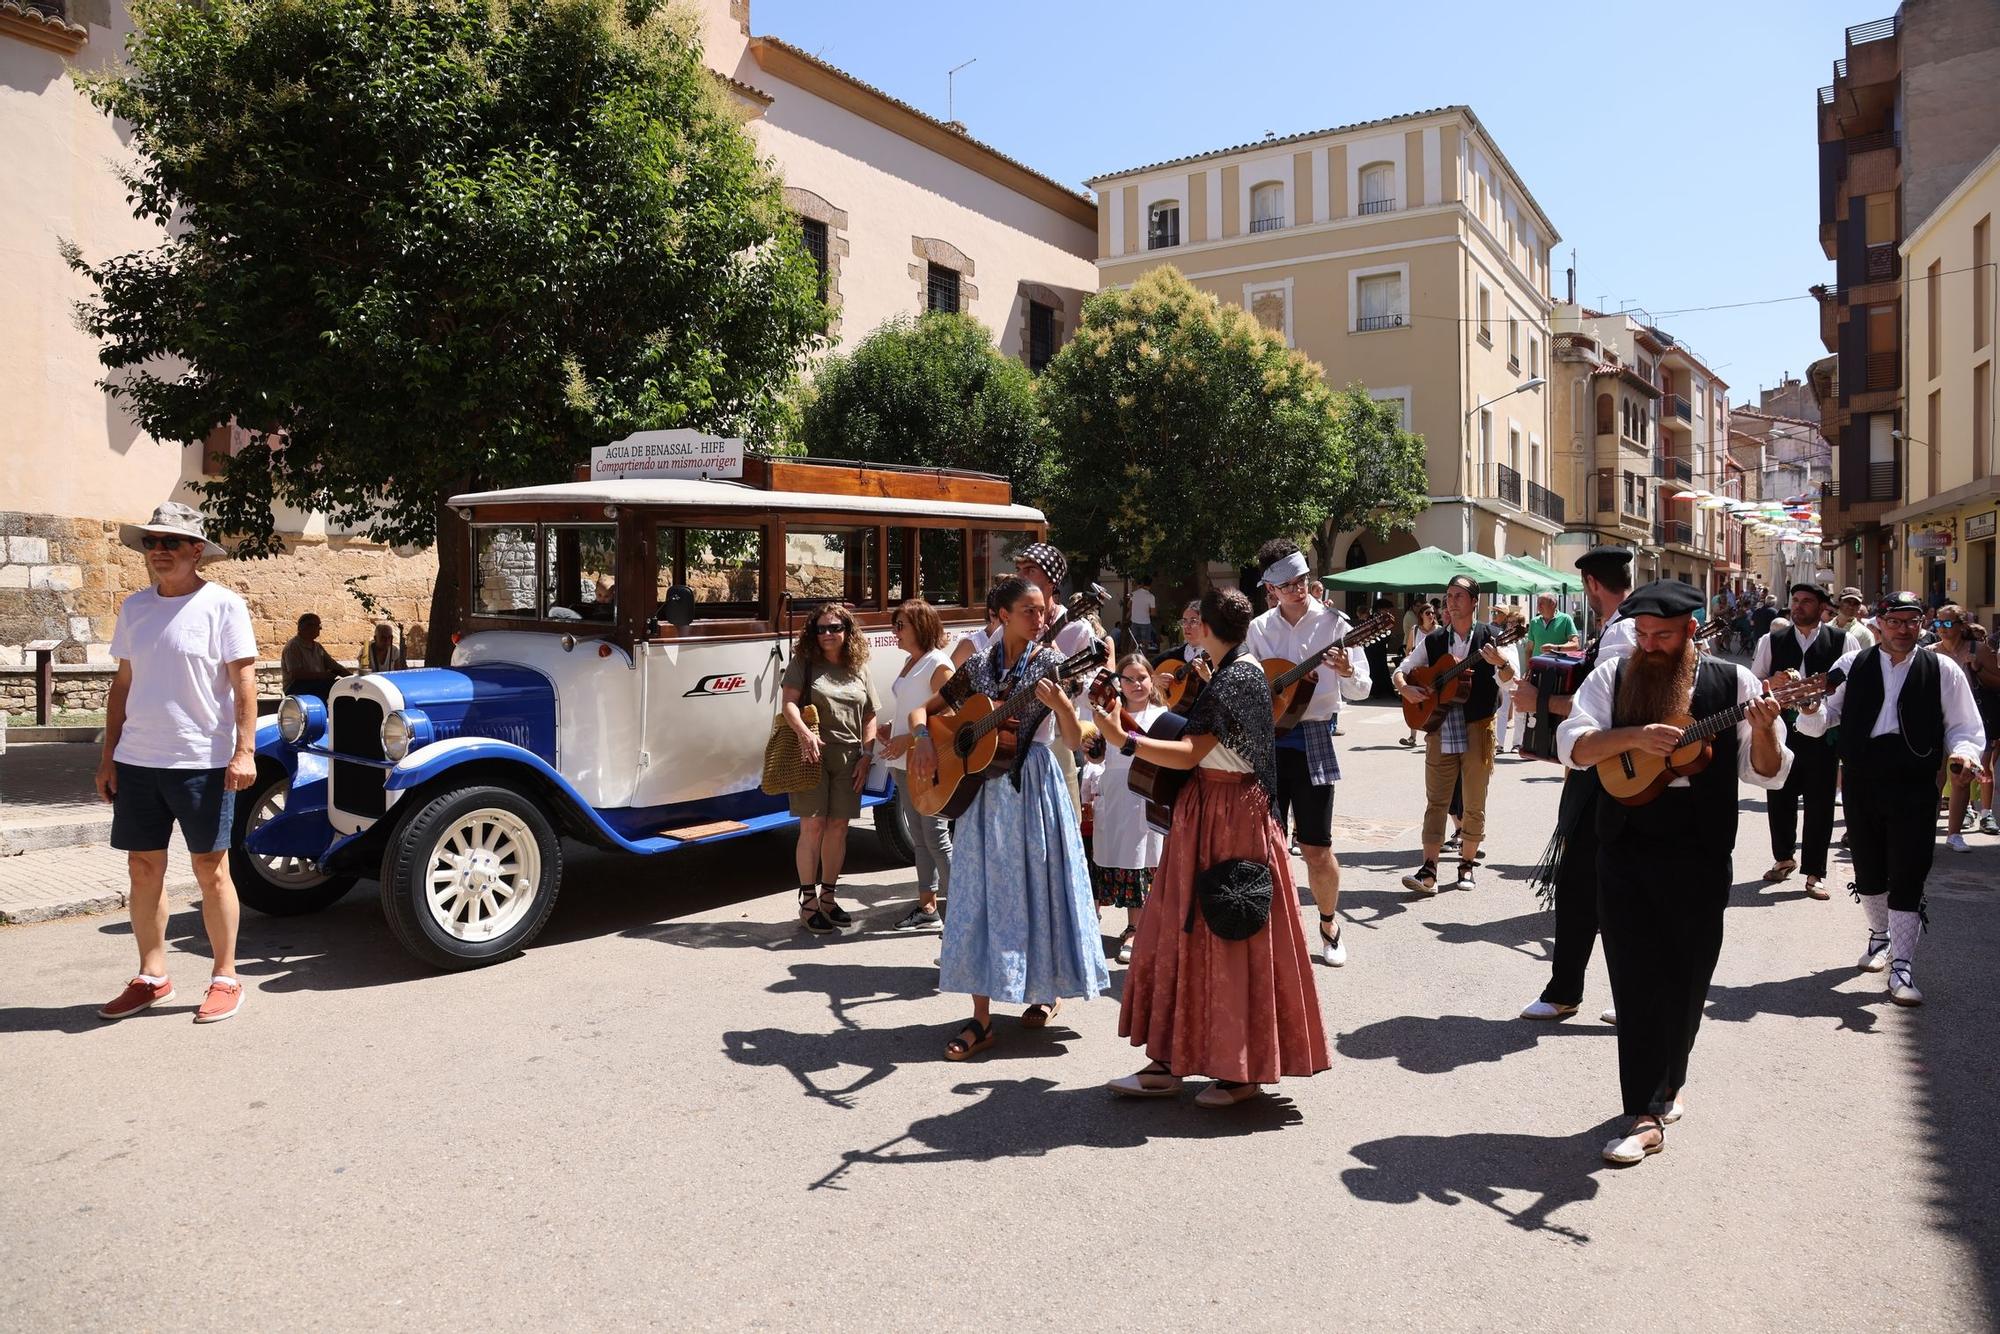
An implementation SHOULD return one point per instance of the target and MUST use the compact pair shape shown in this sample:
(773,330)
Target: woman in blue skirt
(1022,928)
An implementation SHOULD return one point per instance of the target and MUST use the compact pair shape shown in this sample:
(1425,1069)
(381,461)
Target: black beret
(1813,589)
(1668,598)
(1903,601)
(1606,555)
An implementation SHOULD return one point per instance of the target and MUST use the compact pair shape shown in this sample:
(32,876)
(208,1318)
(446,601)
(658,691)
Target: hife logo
(721,684)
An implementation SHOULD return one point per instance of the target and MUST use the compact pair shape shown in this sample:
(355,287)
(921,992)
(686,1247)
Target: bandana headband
(1286,570)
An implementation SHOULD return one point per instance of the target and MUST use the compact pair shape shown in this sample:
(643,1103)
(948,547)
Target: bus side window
(941,566)
(723,566)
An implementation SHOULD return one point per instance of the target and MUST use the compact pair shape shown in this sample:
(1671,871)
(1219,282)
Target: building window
(1604,414)
(1933,277)
(815,235)
(1485,451)
(1982,282)
(1267,207)
(1534,355)
(1378,187)
(1513,344)
(1485,317)
(1163,225)
(941,289)
(1380,302)
(1041,335)
(1982,419)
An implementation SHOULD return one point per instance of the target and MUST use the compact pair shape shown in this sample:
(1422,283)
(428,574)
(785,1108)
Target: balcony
(1265,225)
(1507,485)
(1514,364)
(1829,316)
(1673,468)
(1545,503)
(1370,323)
(1675,409)
(1378,206)
(1673,532)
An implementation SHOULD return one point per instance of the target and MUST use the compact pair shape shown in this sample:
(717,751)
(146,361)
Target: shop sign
(1979,525)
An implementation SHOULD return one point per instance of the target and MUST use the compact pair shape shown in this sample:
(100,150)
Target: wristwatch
(1131,746)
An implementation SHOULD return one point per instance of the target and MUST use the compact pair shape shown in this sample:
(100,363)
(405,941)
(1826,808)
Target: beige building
(1944,530)
(1403,254)
(904,212)
(1641,440)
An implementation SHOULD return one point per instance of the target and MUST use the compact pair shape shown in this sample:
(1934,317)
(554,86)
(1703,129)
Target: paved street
(679,1111)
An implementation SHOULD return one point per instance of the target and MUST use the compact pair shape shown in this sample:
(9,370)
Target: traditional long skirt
(1238,1010)
(1022,928)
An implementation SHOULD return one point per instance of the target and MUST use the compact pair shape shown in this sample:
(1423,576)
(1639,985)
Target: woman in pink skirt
(1241,1012)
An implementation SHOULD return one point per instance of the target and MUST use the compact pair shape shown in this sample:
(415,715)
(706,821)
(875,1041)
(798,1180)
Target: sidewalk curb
(115,901)
(20,838)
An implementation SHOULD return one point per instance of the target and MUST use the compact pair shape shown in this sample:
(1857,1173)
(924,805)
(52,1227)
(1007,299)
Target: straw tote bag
(786,769)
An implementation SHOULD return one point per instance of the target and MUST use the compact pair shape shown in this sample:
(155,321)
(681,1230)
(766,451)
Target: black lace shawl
(982,674)
(1235,707)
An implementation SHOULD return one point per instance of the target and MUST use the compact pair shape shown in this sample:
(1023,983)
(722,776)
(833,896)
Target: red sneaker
(224,999)
(138,995)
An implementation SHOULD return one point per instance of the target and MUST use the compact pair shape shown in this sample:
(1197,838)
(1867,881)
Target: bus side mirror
(678,609)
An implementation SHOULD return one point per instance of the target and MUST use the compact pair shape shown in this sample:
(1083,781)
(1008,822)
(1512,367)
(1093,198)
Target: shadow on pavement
(1029,1118)
(1513,933)
(1479,1168)
(1814,996)
(1436,1046)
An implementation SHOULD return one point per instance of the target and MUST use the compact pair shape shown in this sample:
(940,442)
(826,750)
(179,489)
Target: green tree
(930,391)
(424,248)
(1386,485)
(1182,431)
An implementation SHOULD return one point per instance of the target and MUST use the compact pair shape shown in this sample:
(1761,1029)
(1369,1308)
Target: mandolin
(1292,684)
(1635,777)
(975,740)
(1449,682)
(1179,685)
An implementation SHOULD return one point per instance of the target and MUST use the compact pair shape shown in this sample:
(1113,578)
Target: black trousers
(1659,907)
(1891,826)
(1576,915)
(1815,773)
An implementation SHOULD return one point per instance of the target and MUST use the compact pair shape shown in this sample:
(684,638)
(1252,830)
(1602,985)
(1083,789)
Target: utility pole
(951,91)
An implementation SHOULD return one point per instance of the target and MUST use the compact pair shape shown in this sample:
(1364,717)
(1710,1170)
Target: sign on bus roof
(679,454)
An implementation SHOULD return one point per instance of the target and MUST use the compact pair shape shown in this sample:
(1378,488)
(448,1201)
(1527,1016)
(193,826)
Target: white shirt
(1964,734)
(1618,640)
(180,712)
(1858,634)
(1120,836)
(1272,636)
(1760,660)
(1592,708)
(909,690)
(1420,652)
(1142,606)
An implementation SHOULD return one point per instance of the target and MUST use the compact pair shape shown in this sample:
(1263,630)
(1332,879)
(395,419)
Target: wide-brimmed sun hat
(172,519)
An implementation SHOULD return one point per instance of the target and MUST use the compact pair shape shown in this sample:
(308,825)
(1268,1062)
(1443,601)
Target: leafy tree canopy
(930,391)
(1182,431)
(421,247)
(1386,486)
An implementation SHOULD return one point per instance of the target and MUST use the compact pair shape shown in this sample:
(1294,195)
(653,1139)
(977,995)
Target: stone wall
(63,578)
(82,687)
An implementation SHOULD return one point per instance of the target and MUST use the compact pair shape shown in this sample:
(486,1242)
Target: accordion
(1552,675)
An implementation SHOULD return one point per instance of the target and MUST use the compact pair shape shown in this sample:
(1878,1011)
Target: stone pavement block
(71,882)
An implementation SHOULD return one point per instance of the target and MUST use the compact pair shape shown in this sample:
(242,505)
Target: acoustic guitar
(1449,682)
(976,740)
(1292,684)
(1156,785)
(1179,685)
(1635,777)
(1555,675)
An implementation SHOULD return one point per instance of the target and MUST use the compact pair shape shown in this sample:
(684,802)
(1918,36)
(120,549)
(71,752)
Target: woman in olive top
(833,653)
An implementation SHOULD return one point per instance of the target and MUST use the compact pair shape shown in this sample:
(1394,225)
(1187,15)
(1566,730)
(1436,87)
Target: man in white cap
(180,739)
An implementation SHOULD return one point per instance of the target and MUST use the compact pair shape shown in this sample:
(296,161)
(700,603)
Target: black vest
(1825,651)
(1700,817)
(1484,700)
(1919,716)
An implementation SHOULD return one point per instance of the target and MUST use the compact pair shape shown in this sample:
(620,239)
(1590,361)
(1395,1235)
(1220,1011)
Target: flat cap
(1902,600)
(1604,555)
(1668,598)
(1813,589)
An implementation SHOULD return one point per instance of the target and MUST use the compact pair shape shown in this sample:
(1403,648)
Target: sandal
(973,1037)
(1633,1148)
(1155,1081)
(1125,944)
(1225,1093)
(1816,888)
(1038,1015)
(832,911)
(810,917)
(1780,871)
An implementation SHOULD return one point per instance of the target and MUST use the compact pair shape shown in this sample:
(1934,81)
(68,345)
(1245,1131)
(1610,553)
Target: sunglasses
(154,543)
(836,628)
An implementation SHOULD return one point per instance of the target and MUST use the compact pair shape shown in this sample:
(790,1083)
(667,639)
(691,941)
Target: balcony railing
(1673,530)
(1544,502)
(1875,30)
(1378,205)
(1870,143)
(1266,224)
(1507,484)
(1672,468)
(1369,323)
(1674,405)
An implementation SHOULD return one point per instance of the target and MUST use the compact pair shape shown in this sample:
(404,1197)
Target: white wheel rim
(483,875)
(284,872)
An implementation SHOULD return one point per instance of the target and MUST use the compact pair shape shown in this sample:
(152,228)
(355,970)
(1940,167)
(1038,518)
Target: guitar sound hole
(962,743)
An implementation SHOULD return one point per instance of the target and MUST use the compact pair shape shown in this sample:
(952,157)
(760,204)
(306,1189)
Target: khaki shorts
(834,797)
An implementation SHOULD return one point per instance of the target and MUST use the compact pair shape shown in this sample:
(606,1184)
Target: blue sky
(1673,146)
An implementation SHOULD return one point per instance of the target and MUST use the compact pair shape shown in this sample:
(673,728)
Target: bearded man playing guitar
(1460,750)
(1664,867)
(1297,628)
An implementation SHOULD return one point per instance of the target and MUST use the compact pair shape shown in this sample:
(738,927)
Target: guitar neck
(1469,661)
(1310,663)
(1017,704)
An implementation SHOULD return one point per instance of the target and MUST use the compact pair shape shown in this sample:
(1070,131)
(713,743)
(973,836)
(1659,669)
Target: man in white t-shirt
(180,741)
(1140,603)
